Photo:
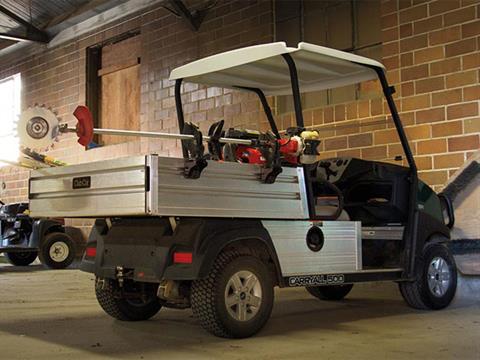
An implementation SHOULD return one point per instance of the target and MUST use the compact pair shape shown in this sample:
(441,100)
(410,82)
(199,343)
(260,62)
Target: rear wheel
(23,258)
(236,299)
(133,302)
(57,251)
(436,282)
(330,292)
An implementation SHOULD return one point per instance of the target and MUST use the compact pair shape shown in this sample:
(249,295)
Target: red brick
(412,43)
(461,79)
(408,89)
(429,85)
(427,25)
(389,34)
(387,21)
(374,153)
(413,13)
(360,140)
(430,115)
(445,35)
(414,72)
(416,102)
(460,47)
(462,143)
(445,66)
(386,137)
(390,48)
(447,97)
(471,61)
(434,146)
(447,128)
(428,54)
(418,132)
(471,29)
(459,16)
(388,7)
(340,112)
(336,143)
(406,30)
(471,126)
(448,161)
(392,62)
(423,162)
(434,177)
(462,110)
(406,59)
(442,6)
(471,93)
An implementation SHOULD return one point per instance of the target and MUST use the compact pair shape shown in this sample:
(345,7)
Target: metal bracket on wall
(193,18)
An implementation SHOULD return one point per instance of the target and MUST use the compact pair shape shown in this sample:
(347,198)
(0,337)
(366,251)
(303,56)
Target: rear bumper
(136,248)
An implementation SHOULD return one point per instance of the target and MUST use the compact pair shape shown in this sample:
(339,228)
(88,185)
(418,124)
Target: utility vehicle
(218,236)
(22,238)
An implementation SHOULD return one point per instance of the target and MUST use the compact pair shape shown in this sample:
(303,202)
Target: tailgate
(102,188)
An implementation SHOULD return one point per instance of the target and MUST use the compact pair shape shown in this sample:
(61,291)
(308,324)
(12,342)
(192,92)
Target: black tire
(62,245)
(419,294)
(117,306)
(23,258)
(208,296)
(330,292)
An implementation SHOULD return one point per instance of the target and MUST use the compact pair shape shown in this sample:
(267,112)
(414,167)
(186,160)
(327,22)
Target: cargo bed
(153,185)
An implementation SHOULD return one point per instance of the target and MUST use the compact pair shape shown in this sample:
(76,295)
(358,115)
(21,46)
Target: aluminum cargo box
(152,185)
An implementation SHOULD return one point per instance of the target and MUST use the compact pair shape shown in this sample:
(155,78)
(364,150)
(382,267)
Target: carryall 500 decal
(313,280)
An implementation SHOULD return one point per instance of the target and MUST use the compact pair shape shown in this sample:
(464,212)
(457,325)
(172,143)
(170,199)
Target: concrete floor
(48,314)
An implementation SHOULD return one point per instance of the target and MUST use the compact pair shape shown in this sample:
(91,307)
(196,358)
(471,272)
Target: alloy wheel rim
(243,295)
(439,277)
(59,251)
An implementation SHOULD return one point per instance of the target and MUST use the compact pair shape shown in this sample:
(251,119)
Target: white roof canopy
(263,67)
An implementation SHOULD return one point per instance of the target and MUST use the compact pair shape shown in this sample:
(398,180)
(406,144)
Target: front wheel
(236,299)
(57,251)
(23,258)
(330,292)
(436,282)
(133,302)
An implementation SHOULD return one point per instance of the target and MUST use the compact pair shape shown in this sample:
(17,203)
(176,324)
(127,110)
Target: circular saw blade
(37,128)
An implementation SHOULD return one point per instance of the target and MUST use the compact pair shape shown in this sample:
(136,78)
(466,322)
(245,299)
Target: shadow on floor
(176,330)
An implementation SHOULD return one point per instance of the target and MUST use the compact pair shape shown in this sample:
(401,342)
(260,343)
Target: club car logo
(81,182)
(314,280)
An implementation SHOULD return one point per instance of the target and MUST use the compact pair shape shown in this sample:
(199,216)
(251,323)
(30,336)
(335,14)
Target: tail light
(91,252)
(182,258)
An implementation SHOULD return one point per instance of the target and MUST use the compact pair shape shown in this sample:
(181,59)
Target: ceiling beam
(32,33)
(194,20)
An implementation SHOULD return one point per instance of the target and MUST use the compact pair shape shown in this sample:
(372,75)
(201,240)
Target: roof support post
(411,230)
(32,33)
(297,100)
(180,117)
(266,108)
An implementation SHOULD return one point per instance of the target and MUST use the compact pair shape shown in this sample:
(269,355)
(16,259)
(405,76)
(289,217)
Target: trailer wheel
(330,292)
(436,282)
(23,258)
(236,299)
(125,308)
(57,251)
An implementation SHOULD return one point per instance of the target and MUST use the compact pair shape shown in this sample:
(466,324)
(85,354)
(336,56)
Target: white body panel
(341,252)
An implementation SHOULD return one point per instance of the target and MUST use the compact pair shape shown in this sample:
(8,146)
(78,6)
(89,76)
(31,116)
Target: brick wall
(431,50)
